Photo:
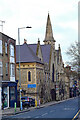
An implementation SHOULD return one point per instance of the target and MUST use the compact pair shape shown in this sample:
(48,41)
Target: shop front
(9,94)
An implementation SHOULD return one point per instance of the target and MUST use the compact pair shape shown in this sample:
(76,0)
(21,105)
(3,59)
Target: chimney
(25,41)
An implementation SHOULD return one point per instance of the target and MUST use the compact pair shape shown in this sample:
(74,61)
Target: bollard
(15,106)
(21,105)
(35,103)
(39,103)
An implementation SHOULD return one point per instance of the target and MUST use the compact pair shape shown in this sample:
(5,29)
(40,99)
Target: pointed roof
(49,33)
(26,54)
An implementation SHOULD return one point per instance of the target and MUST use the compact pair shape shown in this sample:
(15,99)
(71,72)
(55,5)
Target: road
(66,109)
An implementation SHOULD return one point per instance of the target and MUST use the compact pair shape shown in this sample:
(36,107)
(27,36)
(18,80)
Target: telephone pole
(2,24)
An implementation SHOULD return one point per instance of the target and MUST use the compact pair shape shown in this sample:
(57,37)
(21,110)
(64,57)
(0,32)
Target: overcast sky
(21,13)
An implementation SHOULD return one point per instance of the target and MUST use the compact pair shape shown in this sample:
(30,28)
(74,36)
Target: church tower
(49,39)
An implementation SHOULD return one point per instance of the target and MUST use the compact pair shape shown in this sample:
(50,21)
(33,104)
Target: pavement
(11,111)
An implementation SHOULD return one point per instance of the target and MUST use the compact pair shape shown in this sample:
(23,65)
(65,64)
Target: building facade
(46,68)
(7,71)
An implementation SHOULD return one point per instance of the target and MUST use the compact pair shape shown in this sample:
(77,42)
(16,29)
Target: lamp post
(19,62)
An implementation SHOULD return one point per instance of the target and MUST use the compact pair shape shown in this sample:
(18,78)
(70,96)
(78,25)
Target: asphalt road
(66,109)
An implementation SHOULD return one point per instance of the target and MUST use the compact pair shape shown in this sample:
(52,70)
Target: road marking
(51,111)
(44,114)
(69,109)
(37,117)
(29,117)
(76,115)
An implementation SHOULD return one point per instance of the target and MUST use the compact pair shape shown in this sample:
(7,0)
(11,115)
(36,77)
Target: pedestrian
(39,103)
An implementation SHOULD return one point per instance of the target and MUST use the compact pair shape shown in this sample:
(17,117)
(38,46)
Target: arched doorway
(53,94)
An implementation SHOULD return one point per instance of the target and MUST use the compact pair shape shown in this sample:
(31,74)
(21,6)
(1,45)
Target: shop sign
(31,86)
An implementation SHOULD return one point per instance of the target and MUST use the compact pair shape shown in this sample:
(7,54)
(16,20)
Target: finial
(38,40)
(59,46)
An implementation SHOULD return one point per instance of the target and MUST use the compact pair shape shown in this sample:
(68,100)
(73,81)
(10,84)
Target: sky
(22,13)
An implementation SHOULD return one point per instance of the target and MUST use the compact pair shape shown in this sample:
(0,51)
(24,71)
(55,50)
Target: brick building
(7,71)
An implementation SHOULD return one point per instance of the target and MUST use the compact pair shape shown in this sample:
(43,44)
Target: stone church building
(42,69)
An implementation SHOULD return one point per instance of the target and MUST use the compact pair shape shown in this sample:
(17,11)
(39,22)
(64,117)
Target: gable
(39,53)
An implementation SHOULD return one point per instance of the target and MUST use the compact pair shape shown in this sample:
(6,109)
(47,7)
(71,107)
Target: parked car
(25,101)
(31,102)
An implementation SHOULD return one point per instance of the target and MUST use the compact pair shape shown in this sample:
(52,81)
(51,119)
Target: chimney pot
(25,41)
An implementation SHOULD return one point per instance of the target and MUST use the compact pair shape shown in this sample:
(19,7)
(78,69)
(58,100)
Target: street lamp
(19,62)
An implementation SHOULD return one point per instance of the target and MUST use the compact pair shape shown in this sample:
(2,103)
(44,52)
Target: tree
(74,53)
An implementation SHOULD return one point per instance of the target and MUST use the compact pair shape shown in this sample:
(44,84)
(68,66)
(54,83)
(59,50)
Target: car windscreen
(24,98)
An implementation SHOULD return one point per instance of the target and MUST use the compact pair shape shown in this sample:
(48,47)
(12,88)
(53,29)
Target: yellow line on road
(76,115)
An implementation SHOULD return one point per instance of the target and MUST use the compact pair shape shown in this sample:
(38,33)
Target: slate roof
(33,47)
(46,52)
(26,54)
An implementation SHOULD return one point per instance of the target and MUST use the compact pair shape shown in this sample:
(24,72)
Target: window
(12,70)
(29,76)
(12,93)
(53,73)
(11,50)
(1,70)
(5,96)
(1,46)
(6,68)
(12,54)
(5,47)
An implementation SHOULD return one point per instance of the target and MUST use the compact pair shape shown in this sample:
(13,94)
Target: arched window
(53,73)
(29,76)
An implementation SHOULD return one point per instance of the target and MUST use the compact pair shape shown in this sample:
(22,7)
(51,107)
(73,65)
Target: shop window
(12,93)
(5,97)
(29,76)
(1,46)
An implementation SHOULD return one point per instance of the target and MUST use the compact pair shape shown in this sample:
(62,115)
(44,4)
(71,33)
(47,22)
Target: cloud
(69,25)
(19,13)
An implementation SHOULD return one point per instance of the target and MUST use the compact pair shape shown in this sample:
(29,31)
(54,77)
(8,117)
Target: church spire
(49,34)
